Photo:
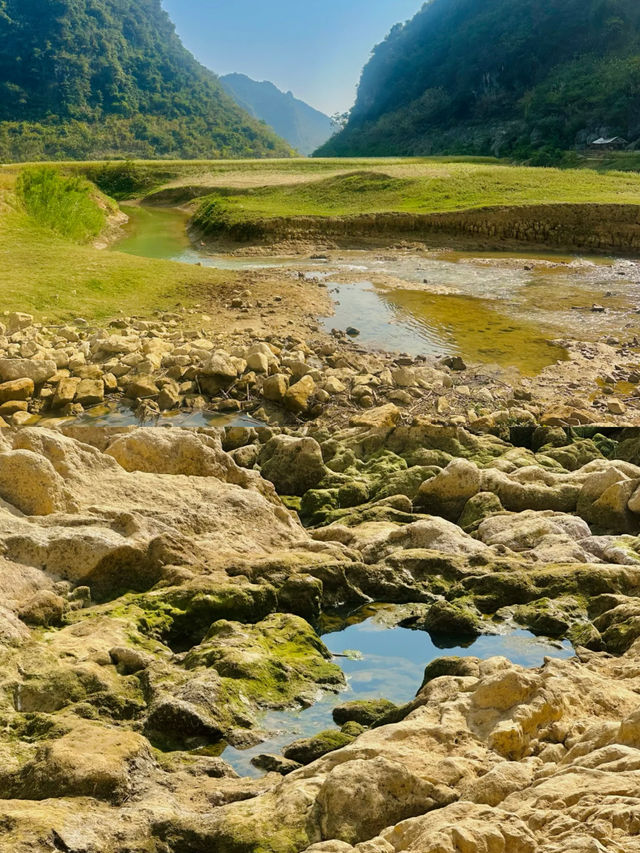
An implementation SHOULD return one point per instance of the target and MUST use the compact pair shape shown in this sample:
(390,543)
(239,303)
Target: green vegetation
(67,205)
(50,276)
(417,187)
(516,78)
(110,78)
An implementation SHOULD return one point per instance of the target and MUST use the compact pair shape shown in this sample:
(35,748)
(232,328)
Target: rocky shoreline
(164,589)
(217,359)
(146,624)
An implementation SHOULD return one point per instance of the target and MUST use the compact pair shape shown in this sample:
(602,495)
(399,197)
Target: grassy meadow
(420,187)
(58,274)
(55,277)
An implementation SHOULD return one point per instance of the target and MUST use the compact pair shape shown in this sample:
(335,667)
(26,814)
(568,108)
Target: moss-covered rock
(273,664)
(548,618)
(451,619)
(477,508)
(363,711)
(306,750)
(450,666)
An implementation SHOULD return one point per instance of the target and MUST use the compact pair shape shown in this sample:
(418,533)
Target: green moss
(271,664)
(310,749)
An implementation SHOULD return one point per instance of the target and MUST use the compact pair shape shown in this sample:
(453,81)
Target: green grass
(55,279)
(68,205)
(428,187)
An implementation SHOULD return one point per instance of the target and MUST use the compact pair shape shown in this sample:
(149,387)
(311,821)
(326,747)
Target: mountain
(304,128)
(509,77)
(84,79)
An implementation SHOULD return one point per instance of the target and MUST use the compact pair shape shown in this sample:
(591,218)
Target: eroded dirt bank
(569,227)
(158,595)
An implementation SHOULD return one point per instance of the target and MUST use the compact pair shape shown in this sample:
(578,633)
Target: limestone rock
(299,395)
(38,372)
(31,483)
(447,493)
(293,465)
(17,389)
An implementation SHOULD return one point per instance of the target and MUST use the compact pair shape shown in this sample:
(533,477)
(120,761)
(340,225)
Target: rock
(450,667)
(451,619)
(275,387)
(447,493)
(23,368)
(454,362)
(169,399)
(90,392)
(65,392)
(299,395)
(361,797)
(307,750)
(17,321)
(32,485)
(220,365)
(333,385)
(616,407)
(43,609)
(365,711)
(275,764)
(18,389)
(258,361)
(129,660)
(66,768)
(477,509)
(293,465)
(142,387)
(12,406)
(21,418)
(382,417)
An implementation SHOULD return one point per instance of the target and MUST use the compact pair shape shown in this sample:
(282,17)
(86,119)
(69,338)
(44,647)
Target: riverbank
(58,280)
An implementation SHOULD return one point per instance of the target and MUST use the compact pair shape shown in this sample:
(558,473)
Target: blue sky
(315,48)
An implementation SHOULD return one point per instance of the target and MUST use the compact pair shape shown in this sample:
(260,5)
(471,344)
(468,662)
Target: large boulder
(26,368)
(447,493)
(293,465)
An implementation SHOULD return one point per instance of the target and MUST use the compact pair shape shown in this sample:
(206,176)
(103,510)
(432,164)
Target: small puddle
(390,665)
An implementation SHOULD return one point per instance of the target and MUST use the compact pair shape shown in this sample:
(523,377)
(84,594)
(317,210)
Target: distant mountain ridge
(303,127)
(110,78)
(508,77)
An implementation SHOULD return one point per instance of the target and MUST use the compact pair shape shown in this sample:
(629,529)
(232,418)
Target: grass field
(56,279)
(46,274)
(420,187)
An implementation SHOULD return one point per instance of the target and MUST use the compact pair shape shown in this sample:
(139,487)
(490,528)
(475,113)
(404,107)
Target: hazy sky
(315,48)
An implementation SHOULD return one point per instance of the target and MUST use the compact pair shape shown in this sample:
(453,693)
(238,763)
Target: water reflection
(391,666)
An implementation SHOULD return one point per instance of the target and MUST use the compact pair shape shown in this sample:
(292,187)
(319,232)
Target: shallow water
(497,307)
(120,415)
(162,234)
(391,666)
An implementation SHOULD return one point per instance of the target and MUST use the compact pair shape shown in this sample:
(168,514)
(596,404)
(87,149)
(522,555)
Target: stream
(491,307)
(390,664)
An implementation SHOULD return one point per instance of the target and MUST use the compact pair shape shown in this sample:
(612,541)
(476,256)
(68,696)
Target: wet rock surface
(158,599)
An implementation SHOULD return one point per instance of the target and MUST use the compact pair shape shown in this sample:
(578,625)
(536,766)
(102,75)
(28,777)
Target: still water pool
(390,665)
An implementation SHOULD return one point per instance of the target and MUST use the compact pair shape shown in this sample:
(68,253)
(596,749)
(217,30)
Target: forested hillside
(509,77)
(99,78)
(304,127)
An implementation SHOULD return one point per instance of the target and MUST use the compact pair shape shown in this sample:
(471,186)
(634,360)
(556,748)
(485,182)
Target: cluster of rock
(159,591)
(159,366)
